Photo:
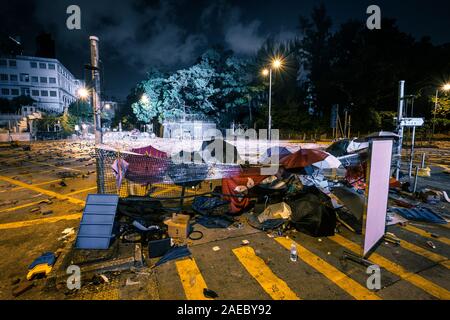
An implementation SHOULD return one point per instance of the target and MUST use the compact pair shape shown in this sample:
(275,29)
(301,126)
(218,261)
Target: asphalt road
(35,208)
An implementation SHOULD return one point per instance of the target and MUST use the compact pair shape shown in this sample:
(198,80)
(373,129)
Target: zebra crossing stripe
(191,279)
(349,285)
(274,286)
(396,269)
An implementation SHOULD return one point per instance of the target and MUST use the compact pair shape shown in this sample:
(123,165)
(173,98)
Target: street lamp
(445,87)
(276,64)
(83,93)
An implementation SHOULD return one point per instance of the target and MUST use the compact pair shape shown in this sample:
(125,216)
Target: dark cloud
(136,35)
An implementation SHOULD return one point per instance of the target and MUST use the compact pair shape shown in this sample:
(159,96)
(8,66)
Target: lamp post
(276,64)
(446,87)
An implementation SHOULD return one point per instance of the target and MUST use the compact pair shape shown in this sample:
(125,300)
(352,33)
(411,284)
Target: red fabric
(148,167)
(150,151)
(303,158)
(246,176)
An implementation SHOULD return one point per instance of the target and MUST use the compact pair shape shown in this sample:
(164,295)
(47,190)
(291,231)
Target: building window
(43,80)
(5,91)
(42,65)
(12,63)
(2,63)
(34,79)
(13,77)
(33,65)
(15,92)
(35,93)
(44,93)
(51,66)
(25,91)
(52,93)
(24,77)
(52,80)
(3,77)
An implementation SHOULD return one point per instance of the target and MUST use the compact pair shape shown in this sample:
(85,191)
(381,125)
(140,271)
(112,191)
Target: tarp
(420,214)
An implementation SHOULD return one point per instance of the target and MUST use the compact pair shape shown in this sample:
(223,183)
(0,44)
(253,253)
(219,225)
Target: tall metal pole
(96,103)
(401,104)
(435,111)
(270,104)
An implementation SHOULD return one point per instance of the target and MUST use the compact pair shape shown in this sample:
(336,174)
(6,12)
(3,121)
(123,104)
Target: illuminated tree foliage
(213,88)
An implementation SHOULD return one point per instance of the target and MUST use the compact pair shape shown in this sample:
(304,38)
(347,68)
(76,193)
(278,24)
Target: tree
(215,88)
(81,109)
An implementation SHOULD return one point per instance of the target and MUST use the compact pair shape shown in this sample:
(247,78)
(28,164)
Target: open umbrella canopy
(274,153)
(303,158)
(339,148)
(331,162)
(220,151)
(150,151)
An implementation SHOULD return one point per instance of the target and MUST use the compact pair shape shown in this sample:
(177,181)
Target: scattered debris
(216,248)
(43,265)
(22,288)
(431,244)
(210,294)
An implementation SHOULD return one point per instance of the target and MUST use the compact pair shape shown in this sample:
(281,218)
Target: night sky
(140,34)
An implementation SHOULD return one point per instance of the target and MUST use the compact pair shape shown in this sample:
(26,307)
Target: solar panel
(97,223)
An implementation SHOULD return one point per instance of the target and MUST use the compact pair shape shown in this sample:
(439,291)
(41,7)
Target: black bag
(313,214)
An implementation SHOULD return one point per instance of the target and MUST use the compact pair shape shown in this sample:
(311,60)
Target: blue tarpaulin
(420,214)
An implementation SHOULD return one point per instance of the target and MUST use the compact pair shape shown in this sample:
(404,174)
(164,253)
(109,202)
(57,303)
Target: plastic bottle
(294,256)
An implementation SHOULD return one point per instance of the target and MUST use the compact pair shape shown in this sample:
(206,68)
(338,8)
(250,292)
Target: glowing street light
(107,106)
(445,87)
(83,93)
(276,64)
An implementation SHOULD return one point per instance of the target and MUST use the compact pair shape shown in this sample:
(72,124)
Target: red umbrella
(303,158)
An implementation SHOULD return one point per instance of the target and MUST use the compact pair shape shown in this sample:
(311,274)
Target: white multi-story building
(47,81)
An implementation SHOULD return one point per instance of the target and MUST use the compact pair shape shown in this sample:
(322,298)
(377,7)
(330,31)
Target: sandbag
(312,214)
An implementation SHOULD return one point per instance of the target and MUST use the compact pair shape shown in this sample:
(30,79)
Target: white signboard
(377,192)
(412,122)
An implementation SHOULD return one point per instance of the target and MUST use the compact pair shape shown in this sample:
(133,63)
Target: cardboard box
(179,226)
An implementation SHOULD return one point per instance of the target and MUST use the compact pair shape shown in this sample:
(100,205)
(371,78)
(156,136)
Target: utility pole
(270,104)
(96,103)
(401,104)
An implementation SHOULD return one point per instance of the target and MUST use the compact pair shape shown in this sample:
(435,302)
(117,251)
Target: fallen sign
(412,122)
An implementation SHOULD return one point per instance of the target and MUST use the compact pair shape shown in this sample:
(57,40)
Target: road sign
(412,122)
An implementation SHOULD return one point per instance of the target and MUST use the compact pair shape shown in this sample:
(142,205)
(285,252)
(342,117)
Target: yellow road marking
(52,165)
(426,234)
(43,191)
(394,268)
(27,223)
(191,279)
(426,253)
(81,191)
(34,184)
(274,286)
(346,283)
(21,206)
